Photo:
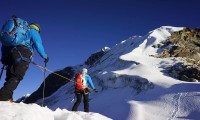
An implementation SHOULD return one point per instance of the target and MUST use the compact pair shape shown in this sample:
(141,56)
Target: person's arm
(89,80)
(37,42)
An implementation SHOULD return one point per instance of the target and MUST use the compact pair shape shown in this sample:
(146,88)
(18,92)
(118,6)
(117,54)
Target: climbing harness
(22,58)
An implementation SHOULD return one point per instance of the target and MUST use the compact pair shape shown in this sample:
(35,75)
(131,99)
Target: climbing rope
(44,85)
(44,69)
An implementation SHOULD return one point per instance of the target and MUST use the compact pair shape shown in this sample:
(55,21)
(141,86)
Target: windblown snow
(131,86)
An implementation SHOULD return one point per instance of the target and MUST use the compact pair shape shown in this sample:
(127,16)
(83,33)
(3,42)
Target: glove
(46,60)
(95,90)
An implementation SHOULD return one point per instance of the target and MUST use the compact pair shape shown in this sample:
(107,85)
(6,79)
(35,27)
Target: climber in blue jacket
(17,59)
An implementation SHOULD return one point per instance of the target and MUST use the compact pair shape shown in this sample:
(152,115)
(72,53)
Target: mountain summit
(134,78)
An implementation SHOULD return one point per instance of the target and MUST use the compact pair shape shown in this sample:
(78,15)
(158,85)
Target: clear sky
(74,29)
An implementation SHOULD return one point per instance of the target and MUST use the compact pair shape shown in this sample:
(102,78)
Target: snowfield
(21,111)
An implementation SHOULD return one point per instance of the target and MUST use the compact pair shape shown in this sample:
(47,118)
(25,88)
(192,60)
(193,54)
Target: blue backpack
(14,32)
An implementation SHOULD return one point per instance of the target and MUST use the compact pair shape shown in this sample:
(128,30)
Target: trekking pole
(73,99)
(43,97)
(2,69)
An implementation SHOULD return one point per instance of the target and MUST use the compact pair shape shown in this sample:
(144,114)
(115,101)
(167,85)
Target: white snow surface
(131,86)
(21,111)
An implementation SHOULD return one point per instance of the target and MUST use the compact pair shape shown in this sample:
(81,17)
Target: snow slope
(21,111)
(131,85)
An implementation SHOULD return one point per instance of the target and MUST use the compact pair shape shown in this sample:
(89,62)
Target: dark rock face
(183,72)
(95,57)
(52,83)
(184,45)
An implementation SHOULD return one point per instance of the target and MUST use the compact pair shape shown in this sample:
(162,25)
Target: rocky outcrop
(96,56)
(184,45)
(183,72)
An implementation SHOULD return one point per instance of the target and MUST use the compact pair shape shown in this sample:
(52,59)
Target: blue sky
(74,29)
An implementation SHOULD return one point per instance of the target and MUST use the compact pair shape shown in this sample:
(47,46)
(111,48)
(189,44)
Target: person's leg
(6,92)
(14,74)
(78,101)
(86,102)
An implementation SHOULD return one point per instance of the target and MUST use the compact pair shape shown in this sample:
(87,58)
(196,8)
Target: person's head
(35,26)
(84,71)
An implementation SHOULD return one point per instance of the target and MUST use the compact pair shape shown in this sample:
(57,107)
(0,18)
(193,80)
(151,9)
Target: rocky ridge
(184,47)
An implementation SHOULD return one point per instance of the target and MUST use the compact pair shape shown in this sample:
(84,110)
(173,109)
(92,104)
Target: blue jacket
(89,82)
(33,41)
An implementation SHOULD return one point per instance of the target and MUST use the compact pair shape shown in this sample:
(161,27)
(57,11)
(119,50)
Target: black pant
(79,95)
(15,71)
